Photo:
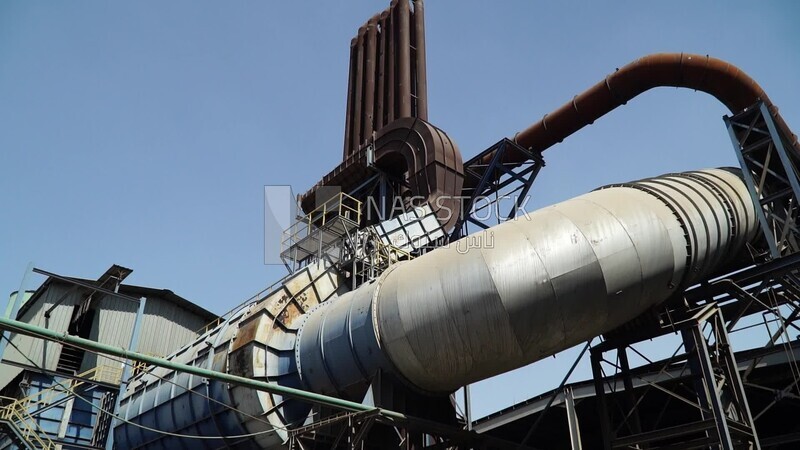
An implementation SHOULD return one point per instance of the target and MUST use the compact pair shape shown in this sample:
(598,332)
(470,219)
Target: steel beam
(572,420)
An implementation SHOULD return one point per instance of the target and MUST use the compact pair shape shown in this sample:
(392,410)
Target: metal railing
(102,373)
(25,425)
(18,412)
(340,207)
(387,254)
(262,294)
(376,256)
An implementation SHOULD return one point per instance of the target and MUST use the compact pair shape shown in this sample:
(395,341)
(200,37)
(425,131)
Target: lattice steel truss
(499,189)
(770,172)
(712,387)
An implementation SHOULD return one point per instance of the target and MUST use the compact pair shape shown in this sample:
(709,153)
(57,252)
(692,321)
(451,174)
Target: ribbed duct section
(531,287)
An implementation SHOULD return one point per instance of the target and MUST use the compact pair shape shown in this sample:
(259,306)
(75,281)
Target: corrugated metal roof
(132,290)
(170,321)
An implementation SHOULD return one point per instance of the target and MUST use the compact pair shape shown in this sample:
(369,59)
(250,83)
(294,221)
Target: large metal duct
(489,303)
(531,287)
(256,342)
(427,156)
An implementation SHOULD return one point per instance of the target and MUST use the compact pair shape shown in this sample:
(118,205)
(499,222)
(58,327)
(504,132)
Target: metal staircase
(23,427)
(70,360)
(103,426)
(19,416)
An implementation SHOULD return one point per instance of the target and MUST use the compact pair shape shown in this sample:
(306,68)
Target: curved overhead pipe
(726,82)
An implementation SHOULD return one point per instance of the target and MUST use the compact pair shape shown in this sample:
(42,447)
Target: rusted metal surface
(370,55)
(387,73)
(431,161)
(358,100)
(726,82)
(351,81)
(402,12)
(380,120)
(420,72)
(388,82)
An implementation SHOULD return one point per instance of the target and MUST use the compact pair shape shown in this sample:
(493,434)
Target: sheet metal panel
(41,352)
(165,327)
(256,341)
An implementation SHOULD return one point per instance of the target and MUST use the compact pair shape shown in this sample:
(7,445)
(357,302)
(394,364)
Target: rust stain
(729,84)
(289,315)
(247,333)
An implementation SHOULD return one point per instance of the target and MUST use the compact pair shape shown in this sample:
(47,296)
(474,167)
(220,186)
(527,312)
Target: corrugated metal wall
(43,353)
(165,328)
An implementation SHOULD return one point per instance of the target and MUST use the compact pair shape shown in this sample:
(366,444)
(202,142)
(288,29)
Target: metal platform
(318,232)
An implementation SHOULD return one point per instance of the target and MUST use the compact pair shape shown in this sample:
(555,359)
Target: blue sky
(142,133)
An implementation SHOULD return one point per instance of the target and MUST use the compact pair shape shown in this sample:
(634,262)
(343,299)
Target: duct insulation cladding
(531,287)
(492,302)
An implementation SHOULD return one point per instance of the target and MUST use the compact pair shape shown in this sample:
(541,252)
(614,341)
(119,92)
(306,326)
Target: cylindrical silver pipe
(531,287)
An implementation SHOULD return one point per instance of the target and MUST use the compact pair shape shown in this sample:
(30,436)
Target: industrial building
(385,313)
(53,391)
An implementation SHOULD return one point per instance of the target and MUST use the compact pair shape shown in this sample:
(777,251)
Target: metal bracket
(496,179)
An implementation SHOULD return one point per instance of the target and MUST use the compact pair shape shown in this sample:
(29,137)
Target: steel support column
(12,309)
(724,420)
(572,420)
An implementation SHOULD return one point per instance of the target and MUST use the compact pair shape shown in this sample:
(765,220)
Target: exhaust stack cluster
(387,73)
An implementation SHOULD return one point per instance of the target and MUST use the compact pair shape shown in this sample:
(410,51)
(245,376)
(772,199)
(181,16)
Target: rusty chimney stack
(387,73)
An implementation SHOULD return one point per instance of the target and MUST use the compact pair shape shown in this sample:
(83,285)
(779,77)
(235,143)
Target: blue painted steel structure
(66,419)
(186,404)
(494,182)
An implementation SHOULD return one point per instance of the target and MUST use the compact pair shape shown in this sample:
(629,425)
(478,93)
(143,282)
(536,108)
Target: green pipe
(299,394)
